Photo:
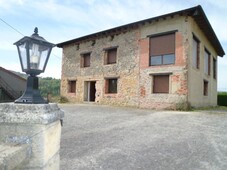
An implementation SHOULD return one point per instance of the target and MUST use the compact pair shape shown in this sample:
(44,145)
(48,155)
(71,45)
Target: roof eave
(195,12)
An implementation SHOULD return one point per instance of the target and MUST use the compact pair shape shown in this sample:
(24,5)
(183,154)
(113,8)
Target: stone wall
(178,88)
(126,69)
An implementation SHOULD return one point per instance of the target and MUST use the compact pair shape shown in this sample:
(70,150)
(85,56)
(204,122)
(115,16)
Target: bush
(222,99)
(63,100)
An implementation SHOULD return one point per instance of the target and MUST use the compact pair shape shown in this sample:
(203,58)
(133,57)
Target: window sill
(110,95)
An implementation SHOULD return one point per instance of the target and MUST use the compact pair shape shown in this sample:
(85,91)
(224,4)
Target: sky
(62,20)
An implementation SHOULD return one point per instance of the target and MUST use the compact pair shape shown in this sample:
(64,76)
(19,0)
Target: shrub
(222,98)
(63,100)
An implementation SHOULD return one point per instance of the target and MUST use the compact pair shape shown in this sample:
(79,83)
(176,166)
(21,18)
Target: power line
(11,26)
(21,33)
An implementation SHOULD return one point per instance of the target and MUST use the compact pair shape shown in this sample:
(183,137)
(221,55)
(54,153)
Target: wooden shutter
(161,84)
(86,60)
(111,56)
(164,44)
(72,86)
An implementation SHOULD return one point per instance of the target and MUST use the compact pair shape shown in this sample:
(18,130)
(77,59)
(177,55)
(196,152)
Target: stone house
(12,86)
(165,62)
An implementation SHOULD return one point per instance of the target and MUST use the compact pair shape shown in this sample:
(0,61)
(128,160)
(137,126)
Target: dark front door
(89,91)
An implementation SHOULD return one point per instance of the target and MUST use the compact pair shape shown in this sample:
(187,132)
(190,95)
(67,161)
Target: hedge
(222,99)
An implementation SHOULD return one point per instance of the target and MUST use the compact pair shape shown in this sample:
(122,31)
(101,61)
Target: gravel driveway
(113,138)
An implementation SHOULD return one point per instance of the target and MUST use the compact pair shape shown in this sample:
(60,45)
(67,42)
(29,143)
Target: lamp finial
(36,31)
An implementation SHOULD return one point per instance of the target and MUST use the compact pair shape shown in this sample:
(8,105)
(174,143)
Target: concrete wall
(197,76)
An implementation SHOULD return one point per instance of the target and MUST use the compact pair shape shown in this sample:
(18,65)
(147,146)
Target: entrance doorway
(89,91)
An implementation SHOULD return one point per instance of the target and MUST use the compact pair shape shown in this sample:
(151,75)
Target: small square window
(85,60)
(111,85)
(111,56)
(161,84)
(72,86)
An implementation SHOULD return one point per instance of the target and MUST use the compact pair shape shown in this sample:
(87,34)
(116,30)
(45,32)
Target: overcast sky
(62,20)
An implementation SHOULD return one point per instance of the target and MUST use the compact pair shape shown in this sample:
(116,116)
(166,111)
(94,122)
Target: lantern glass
(23,55)
(38,56)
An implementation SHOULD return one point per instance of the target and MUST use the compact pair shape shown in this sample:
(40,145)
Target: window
(72,86)
(85,60)
(162,49)
(110,56)
(195,53)
(111,85)
(205,88)
(207,62)
(161,84)
(214,68)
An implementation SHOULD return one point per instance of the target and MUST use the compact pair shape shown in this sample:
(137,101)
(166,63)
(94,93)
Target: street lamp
(34,52)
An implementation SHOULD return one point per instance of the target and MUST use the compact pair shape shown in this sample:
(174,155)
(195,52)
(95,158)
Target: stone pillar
(36,125)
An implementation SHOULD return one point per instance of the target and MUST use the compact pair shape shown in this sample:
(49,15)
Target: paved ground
(111,138)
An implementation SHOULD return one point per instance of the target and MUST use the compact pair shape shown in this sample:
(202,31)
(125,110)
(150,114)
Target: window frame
(214,68)
(71,86)
(196,58)
(107,86)
(162,55)
(156,84)
(83,58)
(107,55)
(207,63)
(205,87)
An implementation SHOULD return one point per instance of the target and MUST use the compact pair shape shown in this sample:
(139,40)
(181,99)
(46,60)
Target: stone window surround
(105,85)
(106,54)
(69,89)
(82,59)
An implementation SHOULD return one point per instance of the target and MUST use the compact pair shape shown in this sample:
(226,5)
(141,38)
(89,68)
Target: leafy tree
(49,85)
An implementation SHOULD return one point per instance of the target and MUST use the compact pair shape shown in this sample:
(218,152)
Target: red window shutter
(111,56)
(161,84)
(72,86)
(86,60)
(164,44)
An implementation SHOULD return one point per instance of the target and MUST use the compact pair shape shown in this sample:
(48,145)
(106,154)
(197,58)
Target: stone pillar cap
(30,113)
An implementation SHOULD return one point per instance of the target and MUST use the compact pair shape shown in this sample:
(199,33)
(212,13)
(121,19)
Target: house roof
(196,13)
(12,74)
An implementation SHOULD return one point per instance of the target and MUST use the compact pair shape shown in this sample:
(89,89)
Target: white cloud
(60,21)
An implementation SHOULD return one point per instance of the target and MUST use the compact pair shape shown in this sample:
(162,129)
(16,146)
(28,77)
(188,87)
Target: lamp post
(34,52)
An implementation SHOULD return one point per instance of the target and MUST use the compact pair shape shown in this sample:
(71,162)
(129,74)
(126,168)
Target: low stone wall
(38,127)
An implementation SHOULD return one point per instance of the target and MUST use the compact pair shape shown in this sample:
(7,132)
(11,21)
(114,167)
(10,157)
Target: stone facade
(134,74)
